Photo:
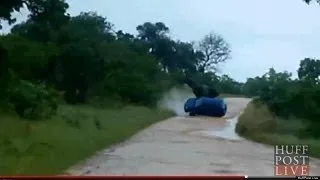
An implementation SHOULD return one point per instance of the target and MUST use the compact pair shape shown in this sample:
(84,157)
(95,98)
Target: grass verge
(75,133)
(257,123)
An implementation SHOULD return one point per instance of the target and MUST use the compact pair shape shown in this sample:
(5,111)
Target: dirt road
(185,145)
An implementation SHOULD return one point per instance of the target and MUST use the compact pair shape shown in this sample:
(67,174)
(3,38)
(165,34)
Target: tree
(82,61)
(45,20)
(134,42)
(4,73)
(185,57)
(159,44)
(27,58)
(150,32)
(7,7)
(228,85)
(86,58)
(215,50)
(51,11)
(309,71)
(308,1)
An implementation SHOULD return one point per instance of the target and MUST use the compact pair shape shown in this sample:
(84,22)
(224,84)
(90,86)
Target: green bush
(290,98)
(33,100)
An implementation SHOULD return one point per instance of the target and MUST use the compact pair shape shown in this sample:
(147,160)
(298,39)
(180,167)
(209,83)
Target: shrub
(33,100)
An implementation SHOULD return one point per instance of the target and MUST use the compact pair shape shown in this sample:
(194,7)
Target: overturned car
(215,107)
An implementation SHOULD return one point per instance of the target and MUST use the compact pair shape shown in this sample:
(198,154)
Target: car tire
(192,114)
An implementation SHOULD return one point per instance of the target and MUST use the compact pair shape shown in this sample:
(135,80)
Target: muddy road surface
(187,145)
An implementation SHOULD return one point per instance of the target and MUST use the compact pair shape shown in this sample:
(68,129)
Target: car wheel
(192,114)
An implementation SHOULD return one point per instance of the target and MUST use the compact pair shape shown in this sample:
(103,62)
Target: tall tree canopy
(85,57)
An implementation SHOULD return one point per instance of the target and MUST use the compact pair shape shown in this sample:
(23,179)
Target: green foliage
(27,58)
(87,59)
(84,57)
(309,71)
(60,142)
(259,124)
(287,97)
(33,100)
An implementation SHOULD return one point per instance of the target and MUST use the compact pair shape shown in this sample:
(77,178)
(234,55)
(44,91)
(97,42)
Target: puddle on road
(227,132)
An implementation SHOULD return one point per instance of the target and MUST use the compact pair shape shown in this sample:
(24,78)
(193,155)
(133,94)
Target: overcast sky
(262,33)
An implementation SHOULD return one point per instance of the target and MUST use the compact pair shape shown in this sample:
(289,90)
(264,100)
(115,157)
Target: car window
(198,102)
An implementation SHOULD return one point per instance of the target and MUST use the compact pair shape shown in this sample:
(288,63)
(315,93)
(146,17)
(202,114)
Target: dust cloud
(175,98)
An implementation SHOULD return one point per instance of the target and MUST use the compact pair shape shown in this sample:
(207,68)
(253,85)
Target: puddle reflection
(227,132)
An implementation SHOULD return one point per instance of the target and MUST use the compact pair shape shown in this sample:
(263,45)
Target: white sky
(262,33)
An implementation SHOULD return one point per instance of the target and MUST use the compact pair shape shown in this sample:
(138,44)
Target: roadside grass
(257,123)
(51,146)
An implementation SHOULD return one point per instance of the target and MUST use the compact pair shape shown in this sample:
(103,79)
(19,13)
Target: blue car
(205,106)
